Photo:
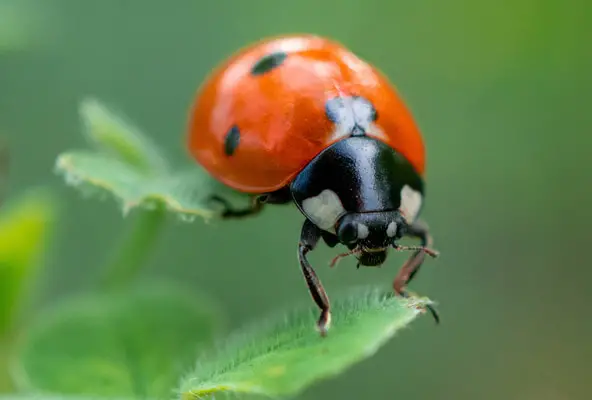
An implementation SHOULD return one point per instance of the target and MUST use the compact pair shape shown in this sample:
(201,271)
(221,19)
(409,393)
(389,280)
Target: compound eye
(348,232)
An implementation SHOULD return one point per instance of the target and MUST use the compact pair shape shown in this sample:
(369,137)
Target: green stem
(134,249)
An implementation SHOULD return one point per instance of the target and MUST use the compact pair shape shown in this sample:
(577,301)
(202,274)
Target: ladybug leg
(413,264)
(411,267)
(281,196)
(309,239)
(229,212)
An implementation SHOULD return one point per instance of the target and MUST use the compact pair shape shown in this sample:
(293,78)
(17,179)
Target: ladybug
(301,119)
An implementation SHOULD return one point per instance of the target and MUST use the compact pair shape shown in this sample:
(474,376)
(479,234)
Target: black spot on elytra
(232,140)
(268,62)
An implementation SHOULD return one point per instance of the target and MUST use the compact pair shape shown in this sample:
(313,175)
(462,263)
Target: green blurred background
(501,91)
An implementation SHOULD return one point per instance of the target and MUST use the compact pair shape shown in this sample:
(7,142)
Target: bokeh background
(502,92)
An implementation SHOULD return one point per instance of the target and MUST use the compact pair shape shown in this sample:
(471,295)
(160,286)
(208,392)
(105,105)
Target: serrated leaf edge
(64,167)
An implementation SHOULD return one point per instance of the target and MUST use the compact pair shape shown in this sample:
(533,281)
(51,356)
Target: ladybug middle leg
(281,196)
(229,212)
(412,265)
(309,239)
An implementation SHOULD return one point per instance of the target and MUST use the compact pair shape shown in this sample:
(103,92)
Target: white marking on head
(363,231)
(391,229)
(410,203)
(324,210)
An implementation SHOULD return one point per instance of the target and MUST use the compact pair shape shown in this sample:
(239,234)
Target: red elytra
(281,112)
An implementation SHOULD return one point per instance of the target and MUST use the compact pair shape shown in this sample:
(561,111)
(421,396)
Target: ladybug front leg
(309,238)
(411,267)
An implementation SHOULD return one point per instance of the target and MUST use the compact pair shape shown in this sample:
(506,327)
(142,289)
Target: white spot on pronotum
(391,229)
(342,131)
(410,203)
(351,112)
(363,231)
(324,210)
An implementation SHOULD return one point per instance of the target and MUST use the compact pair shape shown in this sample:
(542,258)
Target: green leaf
(133,344)
(114,135)
(127,165)
(286,355)
(25,223)
(96,173)
(93,172)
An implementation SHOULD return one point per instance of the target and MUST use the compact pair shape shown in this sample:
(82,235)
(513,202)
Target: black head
(370,235)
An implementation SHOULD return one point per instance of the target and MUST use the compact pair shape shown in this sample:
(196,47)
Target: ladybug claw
(426,303)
